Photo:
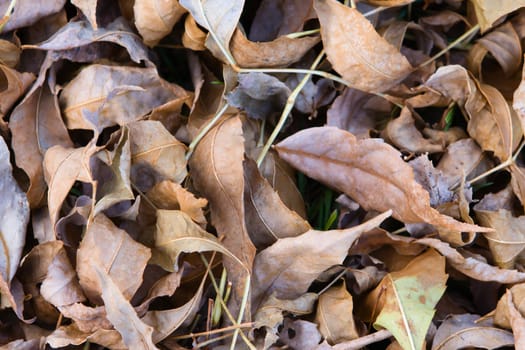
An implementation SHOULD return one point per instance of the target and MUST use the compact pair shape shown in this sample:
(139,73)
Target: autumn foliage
(163,164)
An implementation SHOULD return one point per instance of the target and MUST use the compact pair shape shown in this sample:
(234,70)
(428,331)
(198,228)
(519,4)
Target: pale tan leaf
(193,37)
(290,265)
(518,101)
(280,52)
(172,196)
(176,233)
(117,188)
(218,18)
(36,125)
(267,218)
(488,11)
(360,167)
(71,335)
(135,333)
(62,167)
(466,330)
(299,334)
(502,314)
(89,9)
(115,96)
(366,60)
(156,155)
(155,19)
(13,84)
(389,3)
(87,319)
(335,315)
(517,322)
(218,174)
(116,252)
(459,160)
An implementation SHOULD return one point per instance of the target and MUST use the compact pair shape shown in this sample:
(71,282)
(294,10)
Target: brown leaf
(502,314)
(155,19)
(193,37)
(290,265)
(267,217)
(116,252)
(156,155)
(135,333)
(517,322)
(490,121)
(359,168)
(9,53)
(71,335)
(116,188)
(13,85)
(504,45)
(335,315)
(467,330)
(280,52)
(36,125)
(176,233)
(172,196)
(218,173)
(488,12)
(366,60)
(459,160)
(62,167)
(117,96)
(402,133)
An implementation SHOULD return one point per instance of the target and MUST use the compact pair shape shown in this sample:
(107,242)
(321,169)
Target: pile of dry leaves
(149,157)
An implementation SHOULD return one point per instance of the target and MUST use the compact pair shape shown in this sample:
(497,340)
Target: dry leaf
(112,249)
(267,218)
(335,315)
(502,314)
(218,173)
(218,18)
(359,168)
(135,333)
(155,19)
(299,334)
(9,53)
(274,19)
(36,125)
(193,37)
(517,322)
(389,3)
(280,52)
(406,299)
(260,95)
(116,96)
(27,12)
(459,161)
(71,335)
(172,196)
(116,187)
(14,210)
(488,11)
(464,331)
(490,121)
(89,9)
(366,60)
(13,84)
(290,265)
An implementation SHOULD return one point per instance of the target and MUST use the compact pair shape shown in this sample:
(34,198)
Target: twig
(360,343)
(290,102)
(205,130)
(471,31)
(214,331)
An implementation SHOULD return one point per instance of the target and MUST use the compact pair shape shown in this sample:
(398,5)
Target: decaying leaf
(358,168)
(406,299)
(489,12)
(366,60)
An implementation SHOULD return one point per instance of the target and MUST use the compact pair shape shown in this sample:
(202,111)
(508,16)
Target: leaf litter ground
(271,174)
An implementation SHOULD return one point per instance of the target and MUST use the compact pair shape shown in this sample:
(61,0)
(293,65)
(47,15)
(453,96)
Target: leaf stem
(225,52)
(500,166)
(7,14)
(471,31)
(288,108)
(205,130)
